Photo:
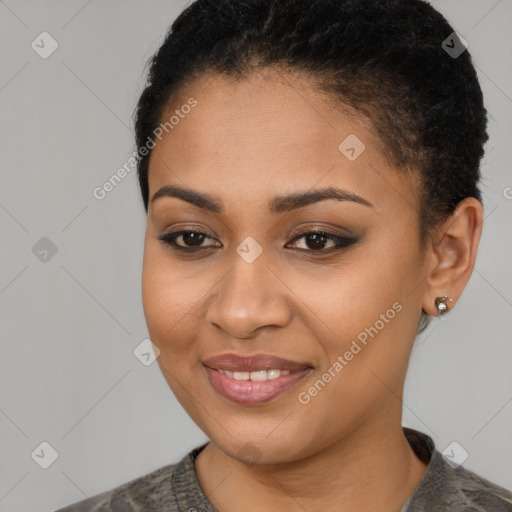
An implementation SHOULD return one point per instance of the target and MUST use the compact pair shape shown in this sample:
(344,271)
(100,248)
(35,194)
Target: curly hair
(383,58)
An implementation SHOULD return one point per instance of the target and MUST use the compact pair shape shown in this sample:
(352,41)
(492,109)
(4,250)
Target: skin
(244,143)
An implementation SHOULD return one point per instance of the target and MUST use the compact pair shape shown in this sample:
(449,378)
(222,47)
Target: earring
(441,305)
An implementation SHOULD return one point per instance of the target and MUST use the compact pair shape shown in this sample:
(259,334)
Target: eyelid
(173,235)
(341,241)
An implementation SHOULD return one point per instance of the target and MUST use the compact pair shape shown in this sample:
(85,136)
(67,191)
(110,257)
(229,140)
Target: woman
(310,175)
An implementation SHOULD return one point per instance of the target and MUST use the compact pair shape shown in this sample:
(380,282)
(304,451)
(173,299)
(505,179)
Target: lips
(234,363)
(255,379)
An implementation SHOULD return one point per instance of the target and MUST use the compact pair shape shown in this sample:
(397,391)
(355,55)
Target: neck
(373,468)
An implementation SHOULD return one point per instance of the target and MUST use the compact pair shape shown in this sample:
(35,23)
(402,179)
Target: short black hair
(384,58)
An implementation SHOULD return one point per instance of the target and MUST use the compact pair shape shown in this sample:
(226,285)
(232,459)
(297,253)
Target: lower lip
(249,392)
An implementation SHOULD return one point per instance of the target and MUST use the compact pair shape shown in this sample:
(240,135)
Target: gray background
(69,324)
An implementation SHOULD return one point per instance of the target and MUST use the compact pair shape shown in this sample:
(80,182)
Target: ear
(453,256)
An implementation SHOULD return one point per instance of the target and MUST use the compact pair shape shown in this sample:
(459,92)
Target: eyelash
(341,241)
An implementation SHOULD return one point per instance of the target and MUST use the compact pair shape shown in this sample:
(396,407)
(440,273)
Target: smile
(259,375)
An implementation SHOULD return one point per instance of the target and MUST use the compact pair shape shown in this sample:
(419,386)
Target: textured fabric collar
(189,495)
(434,480)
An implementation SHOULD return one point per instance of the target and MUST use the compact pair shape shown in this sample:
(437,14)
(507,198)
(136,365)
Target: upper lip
(236,363)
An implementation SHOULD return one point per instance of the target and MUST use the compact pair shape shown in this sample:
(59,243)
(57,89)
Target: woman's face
(253,160)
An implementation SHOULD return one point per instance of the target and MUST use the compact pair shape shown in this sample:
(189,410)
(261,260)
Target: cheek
(365,310)
(168,300)
(350,297)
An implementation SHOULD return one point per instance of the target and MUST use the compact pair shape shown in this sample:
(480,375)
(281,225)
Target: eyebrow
(279,204)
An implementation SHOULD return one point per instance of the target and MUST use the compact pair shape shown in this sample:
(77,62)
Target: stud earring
(441,305)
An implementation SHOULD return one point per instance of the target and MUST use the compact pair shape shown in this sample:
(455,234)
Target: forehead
(272,130)
(280,110)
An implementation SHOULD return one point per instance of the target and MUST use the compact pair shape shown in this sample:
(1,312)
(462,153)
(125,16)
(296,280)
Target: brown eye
(315,241)
(191,239)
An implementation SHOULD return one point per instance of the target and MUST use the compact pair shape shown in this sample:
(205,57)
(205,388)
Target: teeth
(258,375)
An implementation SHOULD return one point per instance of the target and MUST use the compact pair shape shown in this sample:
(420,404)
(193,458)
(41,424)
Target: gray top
(174,488)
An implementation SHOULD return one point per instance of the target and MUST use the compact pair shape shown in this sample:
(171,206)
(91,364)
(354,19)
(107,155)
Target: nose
(249,297)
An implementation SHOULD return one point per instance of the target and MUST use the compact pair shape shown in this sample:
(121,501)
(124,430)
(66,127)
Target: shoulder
(449,486)
(471,492)
(150,492)
(459,490)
